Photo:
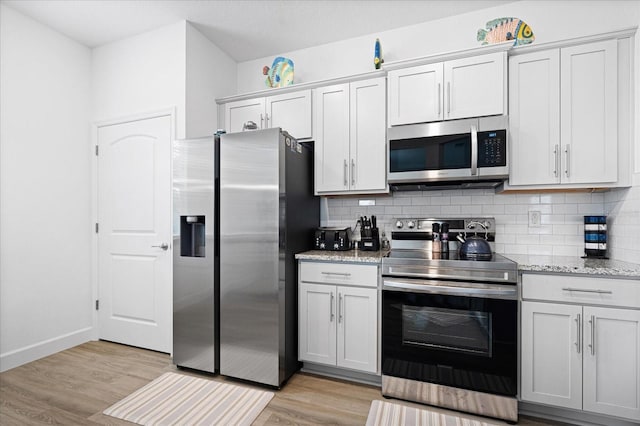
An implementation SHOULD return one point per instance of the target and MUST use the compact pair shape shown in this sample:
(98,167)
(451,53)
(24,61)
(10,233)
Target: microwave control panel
(492,148)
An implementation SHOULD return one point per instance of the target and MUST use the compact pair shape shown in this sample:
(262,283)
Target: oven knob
(399,224)
(411,224)
(486,224)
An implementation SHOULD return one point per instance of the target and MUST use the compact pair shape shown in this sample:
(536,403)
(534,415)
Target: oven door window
(455,330)
(459,341)
(430,153)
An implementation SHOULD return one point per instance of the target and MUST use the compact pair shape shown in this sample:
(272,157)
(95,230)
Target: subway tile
(421,201)
(459,199)
(440,201)
(482,199)
(528,239)
(516,229)
(566,229)
(505,238)
(541,230)
(527,199)
(565,208)
(515,249)
(578,197)
(492,209)
(552,199)
(545,250)
(393,210)
(450,210)
(516,209)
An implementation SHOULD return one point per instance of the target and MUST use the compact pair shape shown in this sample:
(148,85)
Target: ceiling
(244,29)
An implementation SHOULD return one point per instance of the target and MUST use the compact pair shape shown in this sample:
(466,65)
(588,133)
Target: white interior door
(134,215)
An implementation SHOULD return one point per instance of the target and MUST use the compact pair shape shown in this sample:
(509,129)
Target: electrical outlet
(534,218)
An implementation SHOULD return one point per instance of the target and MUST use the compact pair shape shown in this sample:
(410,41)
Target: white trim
(171,111)
(45,348)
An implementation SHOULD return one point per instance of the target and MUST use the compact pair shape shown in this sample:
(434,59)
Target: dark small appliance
(332,238)
(369,234)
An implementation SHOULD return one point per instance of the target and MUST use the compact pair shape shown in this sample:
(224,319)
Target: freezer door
(194,296)
(249,256)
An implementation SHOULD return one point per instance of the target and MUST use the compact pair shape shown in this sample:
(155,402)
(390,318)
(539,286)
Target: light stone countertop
(576,265)
(343,256)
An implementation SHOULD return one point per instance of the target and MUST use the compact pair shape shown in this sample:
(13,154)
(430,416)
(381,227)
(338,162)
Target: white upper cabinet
(475,86)
(589,111)
(563,116)
(415,94)
(290,111)
(461,88)
(534,118)
(350,137)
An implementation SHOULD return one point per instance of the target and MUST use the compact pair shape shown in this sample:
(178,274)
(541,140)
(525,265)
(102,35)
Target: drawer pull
(342,274)
(592,323)
(331,307)
(587,291)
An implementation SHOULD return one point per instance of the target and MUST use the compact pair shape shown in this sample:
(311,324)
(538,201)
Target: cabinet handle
(555,160)
(439,100)
(331,307)
(339,307)
(566,151)
(353,172)
(448,98)
(342,274)
(261,121)
(579,324)
(266,120)
(587,291)
(592,345)
(346,182)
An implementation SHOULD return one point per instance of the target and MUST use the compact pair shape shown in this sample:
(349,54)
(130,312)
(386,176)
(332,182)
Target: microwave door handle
(474,150)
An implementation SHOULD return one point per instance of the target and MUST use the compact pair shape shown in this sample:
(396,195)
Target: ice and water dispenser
(192,236)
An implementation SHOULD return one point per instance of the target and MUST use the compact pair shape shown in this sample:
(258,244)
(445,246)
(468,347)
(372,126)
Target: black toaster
(330,238)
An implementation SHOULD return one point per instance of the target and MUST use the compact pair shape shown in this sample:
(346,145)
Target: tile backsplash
(559,233)
(623,221)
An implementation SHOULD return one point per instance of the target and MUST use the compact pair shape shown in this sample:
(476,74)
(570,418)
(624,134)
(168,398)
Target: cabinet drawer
(583,290)
(339,273)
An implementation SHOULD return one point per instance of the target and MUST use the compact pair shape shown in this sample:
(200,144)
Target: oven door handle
(508,292)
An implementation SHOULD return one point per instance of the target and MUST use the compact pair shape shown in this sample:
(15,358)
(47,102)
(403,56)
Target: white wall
(550,21)
(45,251)
(141,74)
(210,74)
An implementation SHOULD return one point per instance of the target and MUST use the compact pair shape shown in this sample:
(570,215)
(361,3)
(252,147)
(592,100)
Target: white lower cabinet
(579,355)
(338,323)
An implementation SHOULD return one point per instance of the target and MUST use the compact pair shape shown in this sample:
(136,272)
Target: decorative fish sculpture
(504,29)
(377,55)
(280,74)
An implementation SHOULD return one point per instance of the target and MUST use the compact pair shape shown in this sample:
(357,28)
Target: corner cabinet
(290,111)
(577,354)
(350,138)
(338,315)
(563,111)
(461,88)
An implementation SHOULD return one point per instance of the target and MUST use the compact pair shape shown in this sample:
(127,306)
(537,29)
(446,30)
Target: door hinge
(97,304)
(96,149)
(97,227)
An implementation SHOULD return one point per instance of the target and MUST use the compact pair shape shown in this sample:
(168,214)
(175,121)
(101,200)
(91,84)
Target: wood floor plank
(73,387)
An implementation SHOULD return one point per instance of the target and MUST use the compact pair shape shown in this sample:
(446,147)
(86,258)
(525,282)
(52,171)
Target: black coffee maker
(369,234)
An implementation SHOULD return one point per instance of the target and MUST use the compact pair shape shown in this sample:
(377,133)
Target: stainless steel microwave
(462,150)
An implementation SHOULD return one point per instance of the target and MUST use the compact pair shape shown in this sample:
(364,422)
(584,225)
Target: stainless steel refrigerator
(195,298)
(267,214)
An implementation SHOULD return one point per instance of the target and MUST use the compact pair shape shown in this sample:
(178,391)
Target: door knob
(163,246)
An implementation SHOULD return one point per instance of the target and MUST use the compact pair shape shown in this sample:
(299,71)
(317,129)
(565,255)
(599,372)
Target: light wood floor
(73,387)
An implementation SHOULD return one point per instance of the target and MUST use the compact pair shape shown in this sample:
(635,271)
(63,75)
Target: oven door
(451,334)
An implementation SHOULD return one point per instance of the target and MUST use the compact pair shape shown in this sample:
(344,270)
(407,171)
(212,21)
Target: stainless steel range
(449,327)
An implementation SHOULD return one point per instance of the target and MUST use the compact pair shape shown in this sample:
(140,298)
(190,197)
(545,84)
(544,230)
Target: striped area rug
(176,399)
(384,413)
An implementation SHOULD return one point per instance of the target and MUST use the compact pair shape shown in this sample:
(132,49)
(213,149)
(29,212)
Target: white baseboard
(567,415)
(48,347)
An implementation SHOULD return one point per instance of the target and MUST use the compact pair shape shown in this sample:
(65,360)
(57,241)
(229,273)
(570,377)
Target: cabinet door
(611,362)
(331,130)
(236,114)
(368,142)
(357,328)
(552,354)
(291,112)
(589,87)
(475,86)
(415,94)
(317,323)
(534,118)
